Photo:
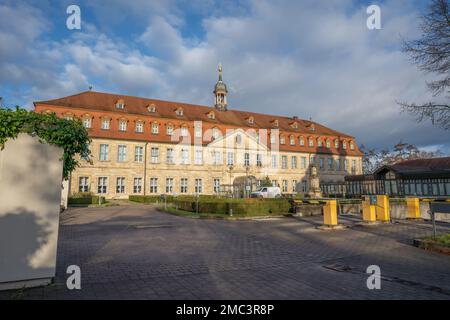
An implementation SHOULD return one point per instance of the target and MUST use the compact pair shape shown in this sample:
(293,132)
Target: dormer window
(151,108)
(251,120)
(344,145)
(122,125)
(215,133)
(179,112)
(302,141)
(184,131)
(282,140)
(120,104)
(328,143)
(87,122)
(68,116)
(155,128)
(169,129)
(311,142)
(312,127)
(319,142)
(294,125)
(292,140)
(336,143)
(139,127)
(352,146)
(211,115)
(105,124)
(238,139)
(275,123)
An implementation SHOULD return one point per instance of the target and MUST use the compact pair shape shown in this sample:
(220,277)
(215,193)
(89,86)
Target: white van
(267,192)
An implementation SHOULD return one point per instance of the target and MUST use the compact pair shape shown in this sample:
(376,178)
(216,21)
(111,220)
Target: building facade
(148,147)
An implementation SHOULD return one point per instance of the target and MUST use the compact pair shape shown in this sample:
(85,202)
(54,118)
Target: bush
(244,207)
(85,198)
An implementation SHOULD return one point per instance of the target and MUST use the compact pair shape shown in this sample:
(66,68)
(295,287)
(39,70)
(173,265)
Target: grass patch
(442,240)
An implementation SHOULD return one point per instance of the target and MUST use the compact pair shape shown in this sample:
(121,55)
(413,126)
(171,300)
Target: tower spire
(220,92)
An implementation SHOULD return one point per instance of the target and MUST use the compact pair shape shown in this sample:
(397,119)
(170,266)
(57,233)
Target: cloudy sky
(307,58)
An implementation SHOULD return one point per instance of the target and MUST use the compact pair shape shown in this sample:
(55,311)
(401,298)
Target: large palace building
(145,146)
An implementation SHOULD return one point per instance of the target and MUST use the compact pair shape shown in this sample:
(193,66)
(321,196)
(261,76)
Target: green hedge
(85,199)
(155,198)
(248,207)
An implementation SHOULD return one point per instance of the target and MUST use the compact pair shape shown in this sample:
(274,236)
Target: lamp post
(247,168)
(230,167)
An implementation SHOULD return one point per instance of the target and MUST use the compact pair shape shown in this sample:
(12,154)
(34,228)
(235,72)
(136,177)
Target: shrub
(84,198)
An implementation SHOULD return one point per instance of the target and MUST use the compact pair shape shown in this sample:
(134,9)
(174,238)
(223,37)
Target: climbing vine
(70,135)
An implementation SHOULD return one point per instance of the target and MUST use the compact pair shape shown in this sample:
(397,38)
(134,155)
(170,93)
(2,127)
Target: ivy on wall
(70,135)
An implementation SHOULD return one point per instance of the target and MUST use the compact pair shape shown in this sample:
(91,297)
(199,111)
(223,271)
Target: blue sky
(307,58)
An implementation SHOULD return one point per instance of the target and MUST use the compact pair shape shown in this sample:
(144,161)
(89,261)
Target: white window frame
(83,184)
(154,153)
(105,124)
(102,185)
(104,152)
(137,185)
(138,153)
(120,185)
(121,153)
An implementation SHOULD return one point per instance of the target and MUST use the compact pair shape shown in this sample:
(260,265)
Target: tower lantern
(220,92)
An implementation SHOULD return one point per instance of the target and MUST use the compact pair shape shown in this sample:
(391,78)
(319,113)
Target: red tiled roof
(100,101)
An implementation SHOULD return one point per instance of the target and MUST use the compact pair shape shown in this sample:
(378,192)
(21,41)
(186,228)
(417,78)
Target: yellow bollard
(369,214)
(413,208)
(330,213)
(382,208)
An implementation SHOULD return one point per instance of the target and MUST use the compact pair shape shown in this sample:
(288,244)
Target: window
(313,159)
(120,104)
(102,184)
(137,186)
(216,185)
(230,158)
(105,124)
(104,152)
(251,120)
(68,116)
(184,131)
(294,186)
(304,186)
(338,164)
(274,161)
(321,163)
(353,166)
(282,140)
(293,162)
(198,131)
(153,185)
(283,162)
(154,155)
(272,138)
(275,123)
(284,186)
(336,143)
(184,185)
(211,115)
(198,185)
(216,158)
(303,162)
(319,142)
(169,185)
(155,128)
(184,156)
(87,123)
(292,140)
(215,133)
(302,141)
(352,146)
(179,112)
(198,156)
(274,183)
(238,139)
(169,130)
(311,142)
(151,108)
(345,165)
(139,127)
(121,153)
(259,160)
(169,156)
(246,159)
(122,125)
(120,186)
(138,153)
(344,145)
(83,184)
(328,143)
(330,163)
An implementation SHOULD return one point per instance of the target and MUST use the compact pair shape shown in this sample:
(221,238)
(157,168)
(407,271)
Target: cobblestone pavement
(136,252)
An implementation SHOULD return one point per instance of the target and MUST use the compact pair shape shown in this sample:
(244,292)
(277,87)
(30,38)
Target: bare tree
(374,158)
(432,55)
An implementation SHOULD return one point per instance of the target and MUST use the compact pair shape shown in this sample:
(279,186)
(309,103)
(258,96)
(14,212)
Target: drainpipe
(145,167)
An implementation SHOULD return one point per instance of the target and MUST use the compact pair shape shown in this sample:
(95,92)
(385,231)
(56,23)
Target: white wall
(30,197)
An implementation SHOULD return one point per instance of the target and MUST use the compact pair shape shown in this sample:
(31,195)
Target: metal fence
(391,187)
